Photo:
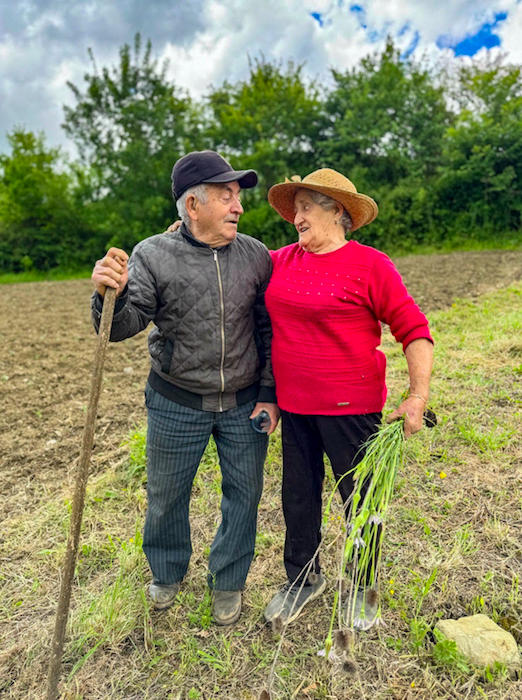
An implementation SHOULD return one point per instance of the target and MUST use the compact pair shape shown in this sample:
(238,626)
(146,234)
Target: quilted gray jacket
(212,334)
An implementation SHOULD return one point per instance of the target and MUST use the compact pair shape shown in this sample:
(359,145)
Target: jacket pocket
(166,356)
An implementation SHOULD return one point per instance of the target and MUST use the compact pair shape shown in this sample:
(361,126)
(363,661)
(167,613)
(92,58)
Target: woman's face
(315,225)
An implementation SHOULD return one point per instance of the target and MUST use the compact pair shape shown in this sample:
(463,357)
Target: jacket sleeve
(138,303)
(392,303)
(264,333)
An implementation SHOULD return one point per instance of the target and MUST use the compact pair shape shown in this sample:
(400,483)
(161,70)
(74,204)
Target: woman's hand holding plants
(412,409)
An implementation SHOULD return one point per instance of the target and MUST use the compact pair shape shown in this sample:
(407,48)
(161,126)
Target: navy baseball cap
(201,167)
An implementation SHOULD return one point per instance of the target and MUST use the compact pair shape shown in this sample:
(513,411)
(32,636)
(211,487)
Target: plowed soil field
(453,532)
(47,347)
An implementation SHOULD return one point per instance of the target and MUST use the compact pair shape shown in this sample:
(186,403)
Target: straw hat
(362,209)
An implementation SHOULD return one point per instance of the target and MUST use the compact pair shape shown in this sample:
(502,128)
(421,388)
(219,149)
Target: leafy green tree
(480,180)
(387,121)
(441,155)
(40,226)
(271,122)
(130,124)
(386,124)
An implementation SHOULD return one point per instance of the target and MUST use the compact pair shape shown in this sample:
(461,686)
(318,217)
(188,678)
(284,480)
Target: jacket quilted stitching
(173,281)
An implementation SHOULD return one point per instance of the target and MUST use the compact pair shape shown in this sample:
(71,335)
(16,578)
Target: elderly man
(203,287)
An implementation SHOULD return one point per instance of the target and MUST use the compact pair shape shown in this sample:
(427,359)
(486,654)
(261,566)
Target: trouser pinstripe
(305,440)
(176,439)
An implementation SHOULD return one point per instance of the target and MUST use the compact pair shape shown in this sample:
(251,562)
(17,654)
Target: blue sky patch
(485,37)
(374,35)
(360,13)
(412,46)
(318,17)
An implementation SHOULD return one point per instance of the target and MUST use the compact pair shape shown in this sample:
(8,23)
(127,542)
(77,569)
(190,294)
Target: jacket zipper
(222,367)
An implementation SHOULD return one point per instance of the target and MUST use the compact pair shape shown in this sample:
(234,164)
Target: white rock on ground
(481,640)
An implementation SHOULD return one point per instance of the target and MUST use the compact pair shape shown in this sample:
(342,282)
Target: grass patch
(45,276)
(507,241)
(452,548)
(504,241)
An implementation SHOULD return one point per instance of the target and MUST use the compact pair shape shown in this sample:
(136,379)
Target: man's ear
(191,205)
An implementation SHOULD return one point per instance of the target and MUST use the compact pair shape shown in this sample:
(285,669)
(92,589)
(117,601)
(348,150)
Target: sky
(44,43)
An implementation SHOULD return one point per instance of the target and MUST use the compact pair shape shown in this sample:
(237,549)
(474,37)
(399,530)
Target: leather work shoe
(226,607)
(163,595)
(289,602)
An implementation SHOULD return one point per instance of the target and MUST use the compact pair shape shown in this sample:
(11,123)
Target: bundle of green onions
(374,479)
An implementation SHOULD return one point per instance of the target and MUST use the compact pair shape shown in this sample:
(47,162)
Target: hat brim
(245,178)
(361,208)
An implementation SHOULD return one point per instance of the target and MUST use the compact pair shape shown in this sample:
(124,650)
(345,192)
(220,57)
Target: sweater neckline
(320,256)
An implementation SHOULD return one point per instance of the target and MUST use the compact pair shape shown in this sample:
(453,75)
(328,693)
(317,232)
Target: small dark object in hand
(430,418)
(261,423)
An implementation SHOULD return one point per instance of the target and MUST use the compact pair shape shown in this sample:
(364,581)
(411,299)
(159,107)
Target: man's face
(217,220)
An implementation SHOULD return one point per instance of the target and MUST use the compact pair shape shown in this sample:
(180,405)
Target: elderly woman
(326,299)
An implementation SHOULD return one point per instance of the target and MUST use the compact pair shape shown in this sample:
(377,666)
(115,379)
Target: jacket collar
(189,236)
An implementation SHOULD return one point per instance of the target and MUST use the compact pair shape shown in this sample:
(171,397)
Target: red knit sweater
(325,311)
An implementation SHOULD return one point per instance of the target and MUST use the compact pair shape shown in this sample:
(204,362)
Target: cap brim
(245,178)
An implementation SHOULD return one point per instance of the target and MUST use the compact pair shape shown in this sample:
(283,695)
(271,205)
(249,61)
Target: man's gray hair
(199,192)
(330,204)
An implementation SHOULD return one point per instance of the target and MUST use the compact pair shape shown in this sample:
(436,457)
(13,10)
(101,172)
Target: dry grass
(453,547)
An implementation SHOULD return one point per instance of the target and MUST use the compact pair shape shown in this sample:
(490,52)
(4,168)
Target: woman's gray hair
(199,192)
(329,204)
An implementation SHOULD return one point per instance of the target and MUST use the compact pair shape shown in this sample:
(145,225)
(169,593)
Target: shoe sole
(296,614)
(164,606)
(223,623)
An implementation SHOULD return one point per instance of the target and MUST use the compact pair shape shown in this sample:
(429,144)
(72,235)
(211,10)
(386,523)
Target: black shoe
(289,602)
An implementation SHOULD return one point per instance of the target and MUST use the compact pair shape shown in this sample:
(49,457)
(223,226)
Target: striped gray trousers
(176,439)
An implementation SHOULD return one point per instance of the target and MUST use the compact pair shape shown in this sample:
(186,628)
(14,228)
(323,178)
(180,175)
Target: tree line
(439,149)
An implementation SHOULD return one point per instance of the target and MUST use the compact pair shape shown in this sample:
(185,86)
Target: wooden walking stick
(82,474)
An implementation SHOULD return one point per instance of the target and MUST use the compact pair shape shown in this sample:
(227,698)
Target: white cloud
(433,18)
(286,29)
(237,30)
(278,30)
(510,33)
(43,43)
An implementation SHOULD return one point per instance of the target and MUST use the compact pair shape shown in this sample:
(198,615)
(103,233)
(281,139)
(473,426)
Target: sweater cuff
(267,394)
(415,334)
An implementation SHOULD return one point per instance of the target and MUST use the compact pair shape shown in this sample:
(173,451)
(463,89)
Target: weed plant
(374,479)
(452,548)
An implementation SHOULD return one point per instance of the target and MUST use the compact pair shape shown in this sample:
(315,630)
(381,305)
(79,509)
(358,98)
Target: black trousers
(305,440)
